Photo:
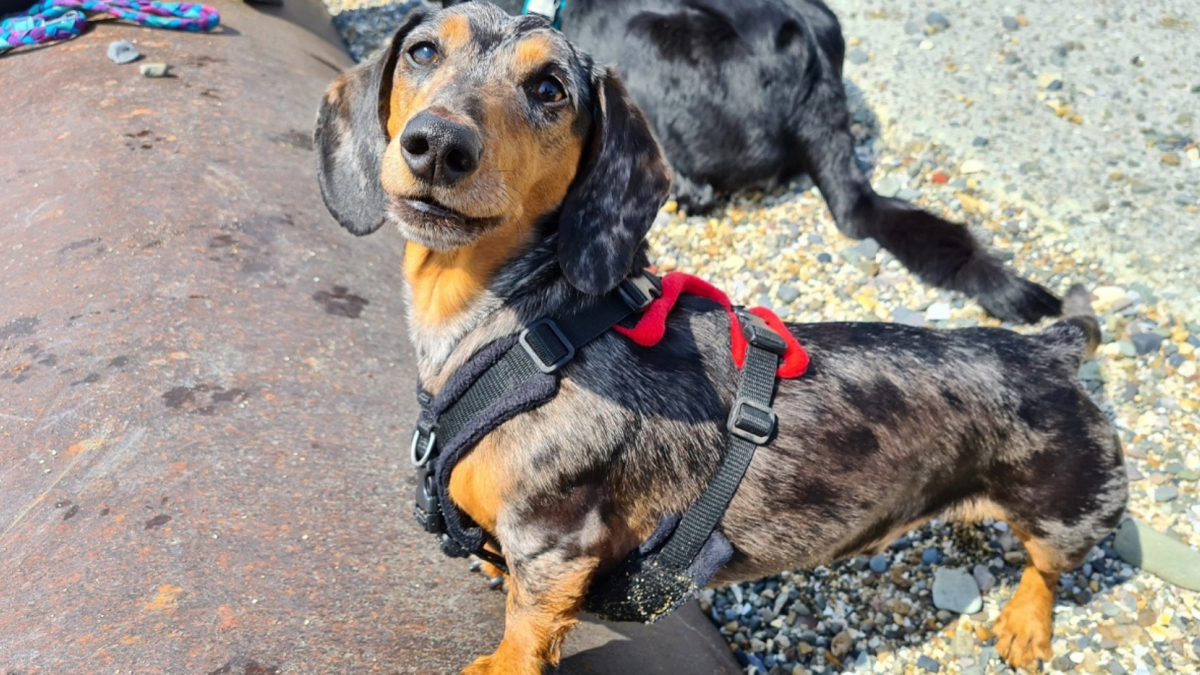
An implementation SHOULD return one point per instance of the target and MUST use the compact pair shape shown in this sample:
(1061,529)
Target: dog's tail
(938,251)
(1079,331)
(945,254)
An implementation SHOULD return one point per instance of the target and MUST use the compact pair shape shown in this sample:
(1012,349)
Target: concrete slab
(205,385)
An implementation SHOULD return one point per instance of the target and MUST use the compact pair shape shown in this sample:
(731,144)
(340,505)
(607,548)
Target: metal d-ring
(416,440)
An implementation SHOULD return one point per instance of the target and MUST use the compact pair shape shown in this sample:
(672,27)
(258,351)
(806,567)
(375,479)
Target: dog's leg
(544,596)
(1023,629)
(692,197)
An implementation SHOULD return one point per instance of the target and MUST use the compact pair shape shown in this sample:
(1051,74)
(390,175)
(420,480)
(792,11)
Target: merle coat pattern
(890,426)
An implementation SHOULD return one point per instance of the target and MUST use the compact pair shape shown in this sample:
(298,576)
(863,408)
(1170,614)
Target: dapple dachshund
(524,180)
(748,93)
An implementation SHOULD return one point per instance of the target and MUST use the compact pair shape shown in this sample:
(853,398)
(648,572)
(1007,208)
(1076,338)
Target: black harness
(519,373)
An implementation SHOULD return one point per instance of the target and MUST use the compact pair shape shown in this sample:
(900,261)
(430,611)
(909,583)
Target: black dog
(747,93)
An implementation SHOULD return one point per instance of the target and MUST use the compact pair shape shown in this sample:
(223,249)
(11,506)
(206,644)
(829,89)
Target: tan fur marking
(536,625)
(479,483)
(445,282)
(532,54)
(455,32)
(1025,625)
(977,510)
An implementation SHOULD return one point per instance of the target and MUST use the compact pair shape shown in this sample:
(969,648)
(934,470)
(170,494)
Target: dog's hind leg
(1024,627)
(1059,515)
(939,252)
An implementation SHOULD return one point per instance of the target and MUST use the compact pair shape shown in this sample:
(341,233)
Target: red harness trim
(652,326)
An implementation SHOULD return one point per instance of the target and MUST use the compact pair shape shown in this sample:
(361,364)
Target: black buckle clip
(427,509)
(420,455)
(639,291)
(759,334)
(558,335)
(744,427)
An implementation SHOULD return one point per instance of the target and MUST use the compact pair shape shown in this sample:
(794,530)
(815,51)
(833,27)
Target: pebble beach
(1065,135)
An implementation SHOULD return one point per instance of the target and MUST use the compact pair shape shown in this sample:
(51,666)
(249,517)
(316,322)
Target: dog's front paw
(495,576)
(1023,637)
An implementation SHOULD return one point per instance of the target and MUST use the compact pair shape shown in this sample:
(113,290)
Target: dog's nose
(439,151)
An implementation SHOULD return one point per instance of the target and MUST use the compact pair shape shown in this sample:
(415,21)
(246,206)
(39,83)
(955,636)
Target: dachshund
(524,179)
(748,93)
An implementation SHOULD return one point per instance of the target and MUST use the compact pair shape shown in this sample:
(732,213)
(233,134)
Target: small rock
(972,166)
(1046,79)
(1132,473)
(955,590)
(907,317)
(788,294)
(889,186)
(1187,370)
(857,57)
(928,665)
(824,258)
(1091,372)
(879,564)
(925,45)
(841,644)
(937,21)
(1110,299)
(1062,663)
(980,142)
(1010,23)
(1142,546)
(1126,348)
(154,69)
(983,578)
(938,311)
(1147,343)
(1166,493)
(931,556)
(964,642)
(122,52)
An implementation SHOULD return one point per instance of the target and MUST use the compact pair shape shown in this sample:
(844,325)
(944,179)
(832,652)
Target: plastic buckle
(558,334)
(424,454)
(640,291)
(759,334)
(736,422)
(427,509)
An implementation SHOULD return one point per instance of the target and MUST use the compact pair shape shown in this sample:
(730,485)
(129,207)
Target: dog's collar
(551,9)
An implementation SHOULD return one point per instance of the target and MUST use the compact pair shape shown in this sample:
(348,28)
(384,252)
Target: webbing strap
(544,344)
(751,419)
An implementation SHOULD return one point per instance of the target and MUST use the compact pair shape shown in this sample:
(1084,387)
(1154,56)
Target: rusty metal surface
(205,386)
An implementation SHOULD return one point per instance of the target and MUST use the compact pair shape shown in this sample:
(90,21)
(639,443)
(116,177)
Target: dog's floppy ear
(622,182)
(351,136)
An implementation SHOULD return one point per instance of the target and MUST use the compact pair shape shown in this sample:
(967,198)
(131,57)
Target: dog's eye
(549,90)
(423,53)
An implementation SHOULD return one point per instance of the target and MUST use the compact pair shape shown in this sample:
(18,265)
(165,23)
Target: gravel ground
(1065,135)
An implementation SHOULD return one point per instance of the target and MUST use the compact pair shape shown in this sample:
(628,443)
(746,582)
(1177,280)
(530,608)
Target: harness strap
(541,349)
(751,423)
(546,345)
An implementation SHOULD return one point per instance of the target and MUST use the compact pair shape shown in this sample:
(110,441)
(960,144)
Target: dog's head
(473,123)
